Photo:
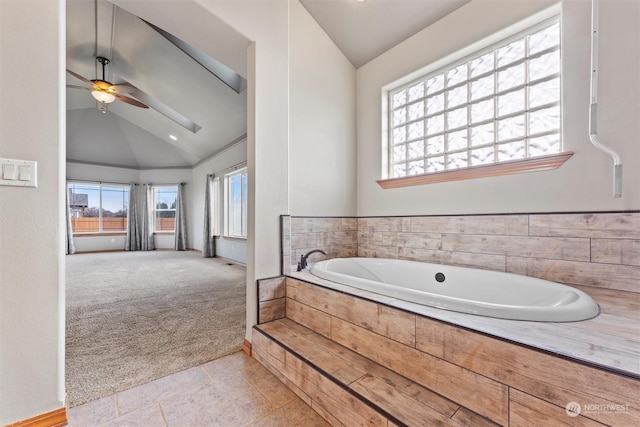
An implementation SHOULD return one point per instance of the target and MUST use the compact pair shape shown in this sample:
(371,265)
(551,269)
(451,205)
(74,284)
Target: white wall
(83,171)
(31,230)
(584,183)
(322,147)
(234,249)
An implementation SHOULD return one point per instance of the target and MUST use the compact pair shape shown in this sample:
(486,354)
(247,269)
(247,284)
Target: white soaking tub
(465,290)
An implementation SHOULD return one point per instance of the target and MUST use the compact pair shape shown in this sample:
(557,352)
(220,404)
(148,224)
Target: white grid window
(165,202)
(498,105)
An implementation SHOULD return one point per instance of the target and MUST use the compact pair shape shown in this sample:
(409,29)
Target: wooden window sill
(533,164)
(240,238)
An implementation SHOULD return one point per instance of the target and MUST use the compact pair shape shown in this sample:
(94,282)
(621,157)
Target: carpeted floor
(133,317)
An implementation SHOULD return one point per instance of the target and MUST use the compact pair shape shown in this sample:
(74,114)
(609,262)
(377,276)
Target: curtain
(147,218)
(132,242)
(70,247)
(208,242)
(181,221)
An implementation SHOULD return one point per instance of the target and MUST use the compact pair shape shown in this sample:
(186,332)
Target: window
(164,202)
(98,208)
(236,203)
(498,105)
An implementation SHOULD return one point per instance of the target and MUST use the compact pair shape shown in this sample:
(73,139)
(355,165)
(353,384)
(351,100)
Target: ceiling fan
(103,91)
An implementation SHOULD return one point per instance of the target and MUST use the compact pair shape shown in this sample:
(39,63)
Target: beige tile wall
(338,237)
(271,299)
(589,249)
(285,244)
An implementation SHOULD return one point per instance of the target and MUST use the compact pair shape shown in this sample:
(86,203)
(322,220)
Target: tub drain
(440,277)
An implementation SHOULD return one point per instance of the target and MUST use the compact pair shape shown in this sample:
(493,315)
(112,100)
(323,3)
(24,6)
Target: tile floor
(232,391)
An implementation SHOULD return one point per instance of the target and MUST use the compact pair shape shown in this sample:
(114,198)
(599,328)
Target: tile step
(394,397)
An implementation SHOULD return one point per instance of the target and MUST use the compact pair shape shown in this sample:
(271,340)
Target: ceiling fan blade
(123,88)
(78,87)
(131,101)
(79,77)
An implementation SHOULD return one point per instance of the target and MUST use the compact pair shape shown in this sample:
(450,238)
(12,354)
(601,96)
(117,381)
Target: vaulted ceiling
(181,91)
(170,80)
(363,30)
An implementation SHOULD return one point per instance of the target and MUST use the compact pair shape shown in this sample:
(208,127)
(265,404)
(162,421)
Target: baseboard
(246,346)
(98,252)
(101,251)
(55,418)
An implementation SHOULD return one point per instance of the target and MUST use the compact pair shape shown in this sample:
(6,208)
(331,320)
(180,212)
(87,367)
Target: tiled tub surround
(610,341)
(338,237)
(596,252)
(504,381)
(600,250)
(272,295)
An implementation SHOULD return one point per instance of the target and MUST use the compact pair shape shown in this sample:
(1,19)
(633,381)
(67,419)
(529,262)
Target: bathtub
(466,290)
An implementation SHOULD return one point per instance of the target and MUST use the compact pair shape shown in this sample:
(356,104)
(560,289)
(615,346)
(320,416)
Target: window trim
(227,234)
(532,164)
(101,231)
(154,188)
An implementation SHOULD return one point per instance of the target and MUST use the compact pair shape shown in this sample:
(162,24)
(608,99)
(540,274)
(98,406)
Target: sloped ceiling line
(167,111)
(226,75)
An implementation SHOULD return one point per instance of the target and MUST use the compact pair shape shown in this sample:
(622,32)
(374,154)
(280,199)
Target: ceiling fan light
(104,97)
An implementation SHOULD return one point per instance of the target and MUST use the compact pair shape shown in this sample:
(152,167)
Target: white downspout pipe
(593,110)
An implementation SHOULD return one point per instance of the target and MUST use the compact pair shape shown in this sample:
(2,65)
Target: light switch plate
(8,172)
(24,173)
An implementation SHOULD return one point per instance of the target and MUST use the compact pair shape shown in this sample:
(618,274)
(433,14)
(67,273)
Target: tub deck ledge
(609,341)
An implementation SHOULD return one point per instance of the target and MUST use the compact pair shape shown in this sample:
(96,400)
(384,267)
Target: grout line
(207,373)
(358,379)
(171,394)
(255,387)
(455,412)
(115,401)
(164,419)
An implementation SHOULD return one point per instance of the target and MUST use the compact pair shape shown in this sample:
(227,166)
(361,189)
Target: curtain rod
(88,181)
(170,184)
(230,168)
